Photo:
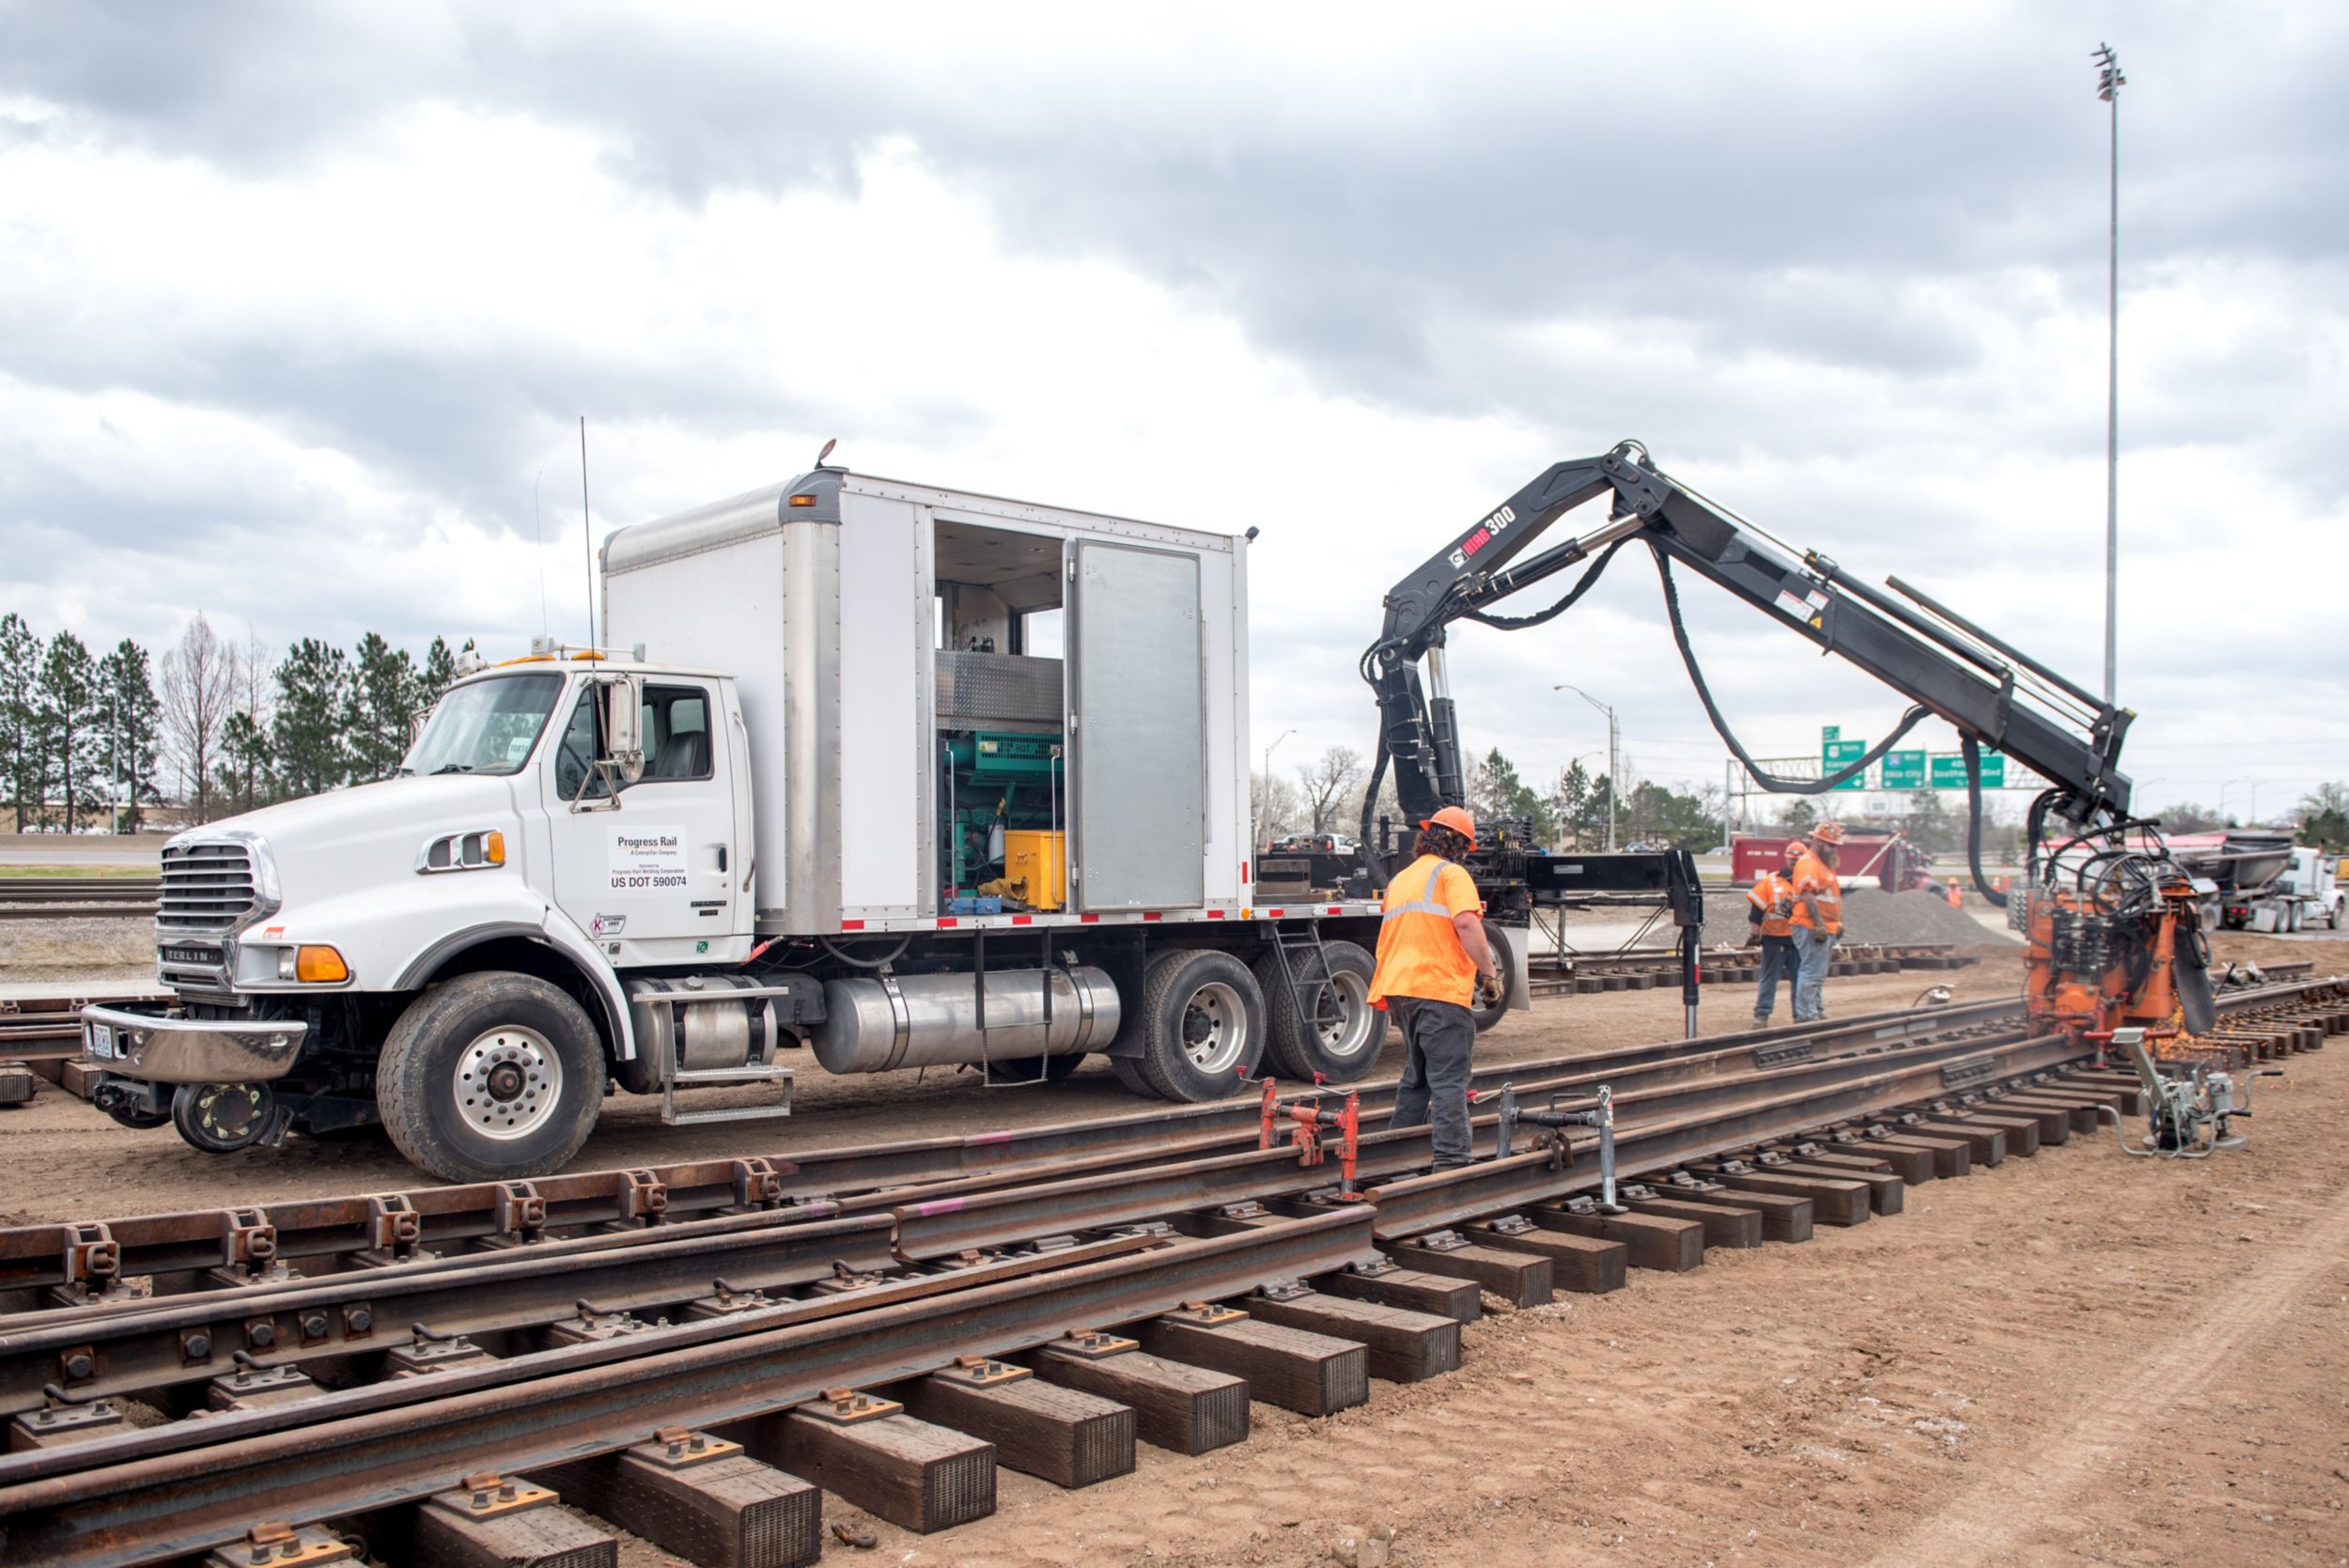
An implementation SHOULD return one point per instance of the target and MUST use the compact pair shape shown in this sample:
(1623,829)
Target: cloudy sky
(299,306)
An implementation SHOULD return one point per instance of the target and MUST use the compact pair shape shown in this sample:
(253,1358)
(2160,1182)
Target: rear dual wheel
(1338,1034)
(1203,1027)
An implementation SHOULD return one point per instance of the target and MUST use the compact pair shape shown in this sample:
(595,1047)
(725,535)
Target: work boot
(1760,1020)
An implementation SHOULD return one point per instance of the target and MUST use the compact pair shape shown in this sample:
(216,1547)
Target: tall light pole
(2222,796)
(1614,784)
(1267,767)
(2108,84)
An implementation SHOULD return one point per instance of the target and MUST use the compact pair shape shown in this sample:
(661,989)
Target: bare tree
(1273,801)
(1325,784)
(199,690)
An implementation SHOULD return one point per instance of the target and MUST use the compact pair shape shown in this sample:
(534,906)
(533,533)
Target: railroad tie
(1185,1409)
(494,1521)
(1672,1246)
(1064,1436)
(1834,1200)
(1951,1157)
(1405,1346)
(1387,1282)
(1784,1218)
(916,1475)
(1518,1278)
(1724,1226)
(697,1495)
(1297,1368)
(1584,1264)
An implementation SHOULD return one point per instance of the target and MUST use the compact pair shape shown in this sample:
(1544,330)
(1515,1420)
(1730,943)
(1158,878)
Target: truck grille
(207,887)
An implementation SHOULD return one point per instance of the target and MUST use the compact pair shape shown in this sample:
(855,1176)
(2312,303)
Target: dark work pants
(1779,960)
(1443,1037)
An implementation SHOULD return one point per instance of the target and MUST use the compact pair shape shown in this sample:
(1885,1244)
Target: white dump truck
(894,776)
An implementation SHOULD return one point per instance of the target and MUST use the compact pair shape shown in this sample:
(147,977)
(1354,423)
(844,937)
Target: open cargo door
(1135,729)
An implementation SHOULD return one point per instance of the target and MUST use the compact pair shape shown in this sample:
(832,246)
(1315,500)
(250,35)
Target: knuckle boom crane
(2112,931)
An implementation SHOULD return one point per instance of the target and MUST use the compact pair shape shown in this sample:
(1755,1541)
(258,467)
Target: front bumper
(157,1046)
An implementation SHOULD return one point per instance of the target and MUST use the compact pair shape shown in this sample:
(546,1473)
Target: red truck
(1898,865)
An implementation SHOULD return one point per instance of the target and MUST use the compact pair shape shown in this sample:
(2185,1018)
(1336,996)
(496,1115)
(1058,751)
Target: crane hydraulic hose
(1770,782)
(1972,750)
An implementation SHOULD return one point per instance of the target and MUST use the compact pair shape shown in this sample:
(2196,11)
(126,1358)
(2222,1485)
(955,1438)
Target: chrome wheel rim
(508,1083)
(1215,1028)
(1343,1017)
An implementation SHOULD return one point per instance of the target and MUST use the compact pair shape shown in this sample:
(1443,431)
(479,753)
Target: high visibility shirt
(1419,949)
(1812,879)
(1774,895)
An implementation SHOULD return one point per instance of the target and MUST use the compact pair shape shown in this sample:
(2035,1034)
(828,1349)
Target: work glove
(1754,939)
(1487,991)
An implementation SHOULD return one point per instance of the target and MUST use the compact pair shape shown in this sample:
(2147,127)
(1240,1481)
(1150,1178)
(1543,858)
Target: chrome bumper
(161,1047)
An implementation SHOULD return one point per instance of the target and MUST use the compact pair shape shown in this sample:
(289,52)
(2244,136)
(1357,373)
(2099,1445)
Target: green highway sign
(1949,771)
(1836,756)
(1902,770)
(1830,733)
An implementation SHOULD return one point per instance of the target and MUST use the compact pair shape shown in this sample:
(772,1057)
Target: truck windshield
(487,726)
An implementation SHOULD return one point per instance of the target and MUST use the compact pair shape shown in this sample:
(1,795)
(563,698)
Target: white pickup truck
(922,778)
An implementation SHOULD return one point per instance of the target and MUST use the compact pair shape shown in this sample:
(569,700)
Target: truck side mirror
(623,726)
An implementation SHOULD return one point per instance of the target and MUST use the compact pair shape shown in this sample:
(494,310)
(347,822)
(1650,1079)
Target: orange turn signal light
(803,500)
(493,847)
(319,966)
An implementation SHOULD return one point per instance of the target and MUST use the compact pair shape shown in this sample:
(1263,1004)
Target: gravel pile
(1870,915)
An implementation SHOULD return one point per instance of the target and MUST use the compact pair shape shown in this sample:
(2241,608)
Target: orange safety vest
(1812,876)
(1772,894)
(1418,950)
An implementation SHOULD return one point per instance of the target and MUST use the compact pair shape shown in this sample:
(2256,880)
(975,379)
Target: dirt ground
(2073,1358)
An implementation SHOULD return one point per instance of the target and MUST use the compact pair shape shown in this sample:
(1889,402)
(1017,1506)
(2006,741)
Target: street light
(2108,84)
(1267,767)
(1614,784)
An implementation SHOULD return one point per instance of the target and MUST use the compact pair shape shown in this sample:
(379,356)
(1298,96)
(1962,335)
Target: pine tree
(72,713)
(243,778)
(21,651)
(439,671)
(381,697)
(306,730)
(134,721)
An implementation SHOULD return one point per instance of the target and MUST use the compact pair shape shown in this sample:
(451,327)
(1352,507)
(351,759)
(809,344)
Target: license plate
(99,1041)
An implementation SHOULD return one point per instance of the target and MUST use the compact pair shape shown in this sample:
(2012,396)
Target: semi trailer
(889,775)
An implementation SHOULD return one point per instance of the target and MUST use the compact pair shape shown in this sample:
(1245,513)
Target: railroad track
(691,1353)
(76,898)
(1642,968)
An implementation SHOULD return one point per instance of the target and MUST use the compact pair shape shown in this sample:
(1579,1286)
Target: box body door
(1137,717)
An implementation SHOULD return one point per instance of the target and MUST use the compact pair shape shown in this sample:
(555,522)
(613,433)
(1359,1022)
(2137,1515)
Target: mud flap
(2191,974)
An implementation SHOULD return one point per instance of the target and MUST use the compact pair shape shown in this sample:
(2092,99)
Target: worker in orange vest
(1432,962)
(1817,918)
(1769,911)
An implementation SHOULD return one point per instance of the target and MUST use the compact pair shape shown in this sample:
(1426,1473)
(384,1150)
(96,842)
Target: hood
(327,844)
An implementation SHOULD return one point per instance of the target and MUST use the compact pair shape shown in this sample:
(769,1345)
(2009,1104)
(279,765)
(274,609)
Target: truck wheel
(1129,1071)
(1346,1033)
(1203,1025)
(492,1076)
(1497,938)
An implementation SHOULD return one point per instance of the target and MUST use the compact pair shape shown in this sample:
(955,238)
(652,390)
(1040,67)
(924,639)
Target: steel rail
(190,1339)
(183,1503)
(34,1257)
(37,1257)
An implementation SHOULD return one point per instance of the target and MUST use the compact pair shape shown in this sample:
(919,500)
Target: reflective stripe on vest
(1426,904)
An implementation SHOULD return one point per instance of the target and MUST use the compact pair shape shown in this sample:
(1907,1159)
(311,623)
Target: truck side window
(676,734)
(576,749)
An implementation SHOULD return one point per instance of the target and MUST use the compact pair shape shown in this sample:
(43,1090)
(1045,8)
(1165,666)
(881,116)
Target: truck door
(655,873)
(1138,782)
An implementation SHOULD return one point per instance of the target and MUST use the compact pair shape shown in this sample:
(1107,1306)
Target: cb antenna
(539,545)
(587,524)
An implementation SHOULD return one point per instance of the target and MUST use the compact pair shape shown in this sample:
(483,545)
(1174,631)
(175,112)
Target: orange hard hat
(1454,818)
(1828,833)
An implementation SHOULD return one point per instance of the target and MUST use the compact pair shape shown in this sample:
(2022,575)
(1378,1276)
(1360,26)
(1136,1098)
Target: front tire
(1346,1033)
(1203,1025)
(492,1076)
